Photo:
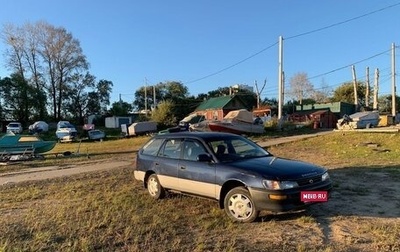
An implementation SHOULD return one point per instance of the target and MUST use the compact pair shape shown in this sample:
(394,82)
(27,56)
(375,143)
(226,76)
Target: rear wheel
(239,205)
(154,187)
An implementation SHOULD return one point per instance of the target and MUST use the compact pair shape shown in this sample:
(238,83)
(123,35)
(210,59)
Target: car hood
(278,168)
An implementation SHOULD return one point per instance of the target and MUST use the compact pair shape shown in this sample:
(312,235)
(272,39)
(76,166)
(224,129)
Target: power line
(343,22)
(295,36)
(233,65)
(343,67)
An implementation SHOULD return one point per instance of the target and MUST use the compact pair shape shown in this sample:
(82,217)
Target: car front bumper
(285,200)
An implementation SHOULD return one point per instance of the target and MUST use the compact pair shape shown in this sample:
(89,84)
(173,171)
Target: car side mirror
(204,158)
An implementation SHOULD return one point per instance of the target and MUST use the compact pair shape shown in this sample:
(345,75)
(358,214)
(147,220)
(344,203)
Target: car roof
(203,135)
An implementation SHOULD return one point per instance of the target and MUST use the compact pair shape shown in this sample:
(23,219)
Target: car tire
(154,187)
(239,205)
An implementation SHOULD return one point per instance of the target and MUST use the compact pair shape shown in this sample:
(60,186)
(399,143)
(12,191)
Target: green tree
(345,93)
(78,98)
(120,108)
(171,90)
(220,91)
(103,91)
(18,98)
(385,104)
(144,96)
(99,98)
(175,90)
(164,115)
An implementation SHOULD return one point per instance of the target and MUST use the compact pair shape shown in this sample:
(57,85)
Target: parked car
(242,176)
(14,127)
(66,131)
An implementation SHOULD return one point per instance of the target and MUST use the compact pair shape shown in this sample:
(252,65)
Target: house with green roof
(217,107)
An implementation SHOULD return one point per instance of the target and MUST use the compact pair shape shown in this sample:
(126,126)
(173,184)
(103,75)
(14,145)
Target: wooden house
(217,107)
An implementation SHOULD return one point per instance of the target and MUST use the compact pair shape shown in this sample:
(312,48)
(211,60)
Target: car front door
(196,177)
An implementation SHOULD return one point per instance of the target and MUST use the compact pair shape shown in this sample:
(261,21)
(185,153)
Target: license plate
(314,196)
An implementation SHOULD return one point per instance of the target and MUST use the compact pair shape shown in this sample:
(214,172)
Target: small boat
(22,144)
(238,122)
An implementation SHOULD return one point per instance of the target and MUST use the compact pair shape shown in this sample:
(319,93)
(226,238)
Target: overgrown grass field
(109,211)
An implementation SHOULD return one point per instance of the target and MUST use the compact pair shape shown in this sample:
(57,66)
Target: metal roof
(219,102)
(215,103)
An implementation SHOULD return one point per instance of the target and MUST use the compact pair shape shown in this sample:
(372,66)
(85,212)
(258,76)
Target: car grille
(308,181)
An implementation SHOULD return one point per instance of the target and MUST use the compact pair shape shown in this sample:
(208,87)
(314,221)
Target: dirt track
(60,171)
(57,171)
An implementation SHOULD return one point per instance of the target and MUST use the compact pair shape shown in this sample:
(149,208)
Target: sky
(210,44)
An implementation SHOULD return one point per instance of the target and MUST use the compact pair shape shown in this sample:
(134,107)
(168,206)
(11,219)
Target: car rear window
(172,148)
(152,147)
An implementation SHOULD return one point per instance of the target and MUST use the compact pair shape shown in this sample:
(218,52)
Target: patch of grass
(306,220)
(109,211)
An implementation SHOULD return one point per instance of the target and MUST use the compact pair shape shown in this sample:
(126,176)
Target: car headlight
(325,176)
(279,185)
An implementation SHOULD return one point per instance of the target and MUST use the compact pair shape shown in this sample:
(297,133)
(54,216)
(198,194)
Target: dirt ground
(49,172)
(365,206)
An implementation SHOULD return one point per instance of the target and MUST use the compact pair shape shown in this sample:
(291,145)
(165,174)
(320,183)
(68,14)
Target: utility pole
(145,95)
(355,87)
(376,88)
(280,78)
(393,82)
(367,88)
(154,97)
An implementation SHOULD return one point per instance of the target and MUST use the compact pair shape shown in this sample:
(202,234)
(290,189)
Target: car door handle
(183,167)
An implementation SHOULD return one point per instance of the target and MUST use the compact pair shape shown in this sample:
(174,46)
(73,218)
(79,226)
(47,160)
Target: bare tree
(322,94)
(63,57)
(22,58)
(14,37)
(300,87)
(46,57)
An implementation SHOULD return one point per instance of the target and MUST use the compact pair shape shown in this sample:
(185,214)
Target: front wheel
(239,205)
(154,187)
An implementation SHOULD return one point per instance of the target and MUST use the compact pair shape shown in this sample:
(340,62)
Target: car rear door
(166,163)
(196,177)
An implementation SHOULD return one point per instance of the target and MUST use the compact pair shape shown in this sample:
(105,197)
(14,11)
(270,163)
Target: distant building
(216,108)
(243,86)
(338,108)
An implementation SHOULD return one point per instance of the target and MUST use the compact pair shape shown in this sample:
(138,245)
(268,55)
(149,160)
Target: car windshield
(66,126)
(229,149)
(14,125)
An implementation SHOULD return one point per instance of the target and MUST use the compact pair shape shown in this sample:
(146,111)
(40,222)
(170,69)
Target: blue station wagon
(242,176)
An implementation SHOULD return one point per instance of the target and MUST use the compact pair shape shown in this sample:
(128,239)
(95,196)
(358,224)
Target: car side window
(152,147)
(192,149)
(172,148)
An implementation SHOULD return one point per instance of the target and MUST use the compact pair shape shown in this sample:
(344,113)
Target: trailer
(138,128)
